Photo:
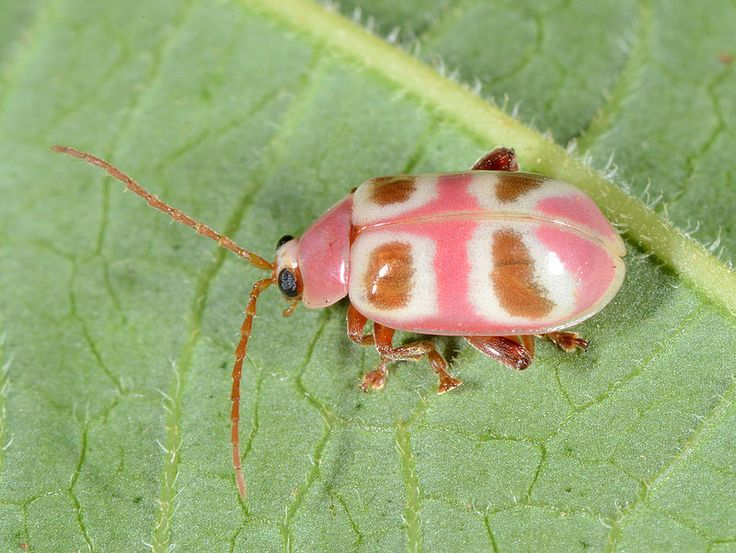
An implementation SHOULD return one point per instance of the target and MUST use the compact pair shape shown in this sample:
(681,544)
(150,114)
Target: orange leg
(567,341)
(516,352)
(410,352)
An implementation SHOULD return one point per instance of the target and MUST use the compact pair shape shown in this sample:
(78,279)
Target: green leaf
(255,116)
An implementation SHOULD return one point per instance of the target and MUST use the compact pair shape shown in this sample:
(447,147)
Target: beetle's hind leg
(413,351)
(567,341)
(516,352)
(500,159)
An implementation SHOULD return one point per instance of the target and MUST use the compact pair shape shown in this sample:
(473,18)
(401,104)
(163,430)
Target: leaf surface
(119,327)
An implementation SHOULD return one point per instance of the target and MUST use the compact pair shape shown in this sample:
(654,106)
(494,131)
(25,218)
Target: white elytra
(365,210)
(558,284)
(482,203)
(422,300)
(483,189)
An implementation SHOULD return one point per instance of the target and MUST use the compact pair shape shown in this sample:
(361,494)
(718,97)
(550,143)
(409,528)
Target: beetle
(494,255)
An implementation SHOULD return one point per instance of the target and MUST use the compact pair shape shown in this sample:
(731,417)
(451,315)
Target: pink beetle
(493,255)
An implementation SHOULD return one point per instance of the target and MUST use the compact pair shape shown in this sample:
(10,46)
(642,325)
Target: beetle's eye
(283,240)
(287,283)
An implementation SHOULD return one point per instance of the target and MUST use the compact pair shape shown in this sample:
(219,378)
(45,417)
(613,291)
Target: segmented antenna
(240,353)
(250,310)
(156,203)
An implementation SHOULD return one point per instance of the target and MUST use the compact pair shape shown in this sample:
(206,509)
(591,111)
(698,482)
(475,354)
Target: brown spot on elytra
(513,277)
(388,280)
(511,186)
(392,190)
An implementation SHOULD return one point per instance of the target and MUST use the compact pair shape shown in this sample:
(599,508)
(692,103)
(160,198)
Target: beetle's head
(286,271)
(314,268)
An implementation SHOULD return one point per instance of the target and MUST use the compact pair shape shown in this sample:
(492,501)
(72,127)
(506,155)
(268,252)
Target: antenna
(156,203)
(240,353)
(225,242)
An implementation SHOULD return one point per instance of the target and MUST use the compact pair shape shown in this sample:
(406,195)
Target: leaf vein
(328,420)
(717,130)
(79,512)
(88,338)
(693,441)
(353,525)
(402,437)
(633,375)
(529,55)
(4,388)
(446,19)
(627,78)
(489,532)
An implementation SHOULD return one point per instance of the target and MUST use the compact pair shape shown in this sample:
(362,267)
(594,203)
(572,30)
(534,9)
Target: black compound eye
(283,240)
(287,283)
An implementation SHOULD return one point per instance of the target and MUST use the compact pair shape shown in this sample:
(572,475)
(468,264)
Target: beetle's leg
(500,159)
(376,378)
(413,351)
(516,352)
(568,341)
(356,325)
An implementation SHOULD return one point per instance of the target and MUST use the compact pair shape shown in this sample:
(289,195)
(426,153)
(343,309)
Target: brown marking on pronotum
(511,186)
(388,279)
(392,190)
(513,277)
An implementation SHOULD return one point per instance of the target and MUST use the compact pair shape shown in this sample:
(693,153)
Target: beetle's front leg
(356,332)
(376,378)
(356,326)
(413,351)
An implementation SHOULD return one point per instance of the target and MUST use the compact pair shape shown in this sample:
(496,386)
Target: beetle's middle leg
(413,351)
